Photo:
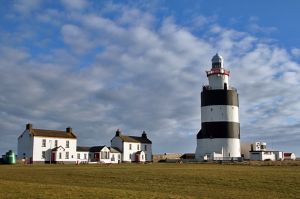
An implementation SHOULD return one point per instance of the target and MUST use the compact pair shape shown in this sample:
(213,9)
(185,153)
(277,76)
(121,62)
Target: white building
(83,154)
(289,156)
(262,155)
(133,148)
(53,146)
(98,154)
(40,145)
(115,155)
(259,152)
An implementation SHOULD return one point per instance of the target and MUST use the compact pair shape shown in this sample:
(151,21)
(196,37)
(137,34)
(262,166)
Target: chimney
(28,126)
(69,130)
(144,135)
(118,133)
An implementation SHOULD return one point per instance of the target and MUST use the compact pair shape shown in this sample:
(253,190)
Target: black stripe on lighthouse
(219,130)
(219,97)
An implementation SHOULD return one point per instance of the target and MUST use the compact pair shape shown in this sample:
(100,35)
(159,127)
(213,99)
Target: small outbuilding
(289,156)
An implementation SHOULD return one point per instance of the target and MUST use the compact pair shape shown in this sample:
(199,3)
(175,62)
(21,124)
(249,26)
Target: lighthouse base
(218,149)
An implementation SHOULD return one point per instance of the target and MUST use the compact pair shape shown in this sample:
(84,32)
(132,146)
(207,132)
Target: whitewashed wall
(50,144)
(229,147)
(129,154)
(115,158)
(102,159)
(84,156)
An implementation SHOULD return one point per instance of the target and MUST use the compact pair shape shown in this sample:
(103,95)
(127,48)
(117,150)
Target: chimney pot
(28,126)
(118,132)
(144,135)
(69,130)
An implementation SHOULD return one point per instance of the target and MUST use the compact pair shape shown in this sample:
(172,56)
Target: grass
(149,181)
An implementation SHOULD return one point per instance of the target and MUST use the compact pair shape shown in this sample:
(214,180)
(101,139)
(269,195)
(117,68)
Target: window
(130,147)
(138,147)
(67,155)
(67,144)
(78,155)
(130,156)
(43,154)
(55,143)
(142,157)
(85,156)
(59,155)
(145,156)
(44,143)
(119,157)
(145,147)
(104,155)
(113,157)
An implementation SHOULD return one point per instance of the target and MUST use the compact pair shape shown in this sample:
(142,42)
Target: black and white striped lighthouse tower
(219,137)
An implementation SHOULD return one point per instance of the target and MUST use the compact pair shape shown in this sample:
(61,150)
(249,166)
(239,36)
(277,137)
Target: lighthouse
(219,137)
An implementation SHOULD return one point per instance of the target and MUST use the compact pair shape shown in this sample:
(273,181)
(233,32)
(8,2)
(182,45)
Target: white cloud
(255,28)
(26,7)
(78,40)
(295,52)
(202,21)
(75,4)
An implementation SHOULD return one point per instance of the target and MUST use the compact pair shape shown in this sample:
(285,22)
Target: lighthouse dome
(217,58)
(217,61)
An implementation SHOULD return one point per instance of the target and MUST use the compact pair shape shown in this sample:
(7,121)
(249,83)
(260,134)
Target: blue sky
(137,65)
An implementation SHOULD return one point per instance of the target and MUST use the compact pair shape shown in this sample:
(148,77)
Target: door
(137,157)
(53,159)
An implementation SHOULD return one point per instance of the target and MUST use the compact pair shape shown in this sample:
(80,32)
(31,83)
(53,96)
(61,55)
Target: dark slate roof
(188,156)
(137,139)
(52,133)
(83,148)
(96,148)
(56,148)
(138,152)
(114,150)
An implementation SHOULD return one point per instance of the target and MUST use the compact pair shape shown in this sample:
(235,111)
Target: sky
(99,66)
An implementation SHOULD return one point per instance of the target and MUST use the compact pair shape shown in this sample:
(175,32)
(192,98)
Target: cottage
(100,154)
(47,146)
(133,148)
(83,154)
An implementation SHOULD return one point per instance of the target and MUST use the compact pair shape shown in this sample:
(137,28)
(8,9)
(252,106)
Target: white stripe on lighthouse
(219,113)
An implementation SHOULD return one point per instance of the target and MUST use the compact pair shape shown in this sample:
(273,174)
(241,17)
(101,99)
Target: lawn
(149,181)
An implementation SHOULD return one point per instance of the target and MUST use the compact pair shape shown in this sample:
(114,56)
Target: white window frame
(44,143)
(67,155)
(67,144)
(43,154)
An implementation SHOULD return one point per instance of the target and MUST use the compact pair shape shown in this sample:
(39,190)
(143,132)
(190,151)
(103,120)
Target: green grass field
(149,181)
